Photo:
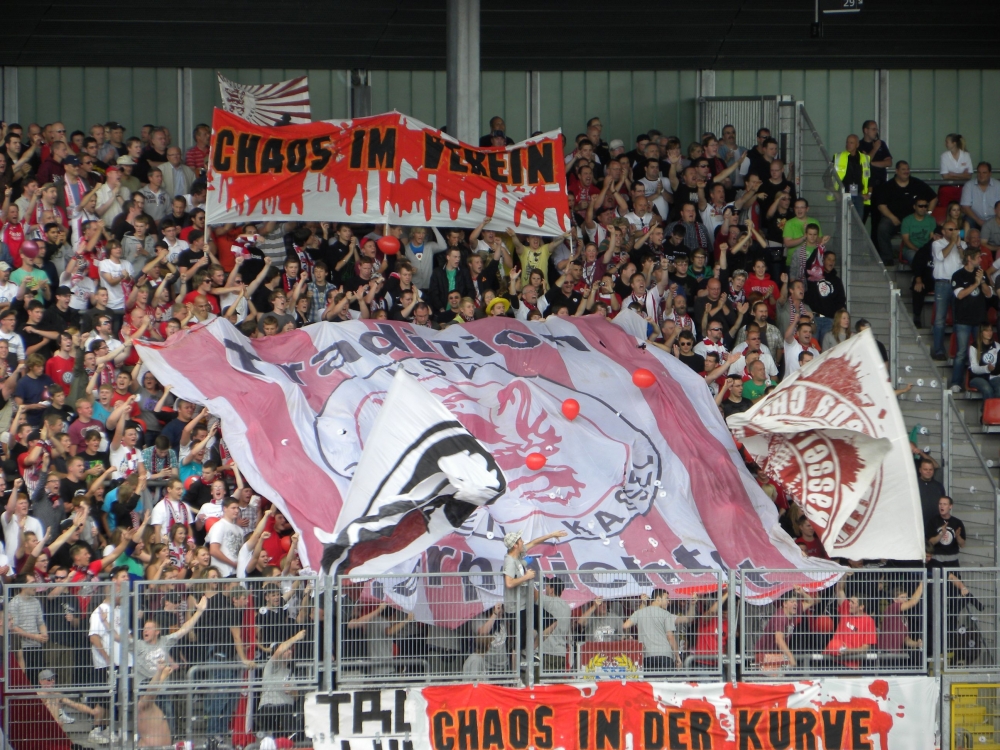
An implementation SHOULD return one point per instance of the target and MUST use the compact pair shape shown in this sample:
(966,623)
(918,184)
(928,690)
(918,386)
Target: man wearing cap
(111,196)
(75,189)
(125,165)
(56,704)
(60,316)
(517,575)
(616,148)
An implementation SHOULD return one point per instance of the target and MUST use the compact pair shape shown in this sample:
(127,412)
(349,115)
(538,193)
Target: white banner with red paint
(833,436)
(643,479)
(895,713)
(384,169)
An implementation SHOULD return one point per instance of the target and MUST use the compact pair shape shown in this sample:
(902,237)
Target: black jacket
(437,292)
(827,296)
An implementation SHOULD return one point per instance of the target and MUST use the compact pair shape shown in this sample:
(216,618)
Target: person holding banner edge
(518,574)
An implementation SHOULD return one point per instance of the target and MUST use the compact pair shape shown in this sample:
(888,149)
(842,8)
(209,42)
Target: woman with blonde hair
(841,330)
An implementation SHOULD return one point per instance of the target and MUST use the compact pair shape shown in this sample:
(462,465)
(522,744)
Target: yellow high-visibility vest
(840,164)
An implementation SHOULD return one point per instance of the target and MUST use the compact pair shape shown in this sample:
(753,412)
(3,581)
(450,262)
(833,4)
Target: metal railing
(643,632)
(972,485)
(969,598)
(872,621)
(456,628)
(462,630)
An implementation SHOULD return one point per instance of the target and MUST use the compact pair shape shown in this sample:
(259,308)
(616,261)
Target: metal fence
(872,621)
(155,662)
(639,632)
(208,660)
(426,628)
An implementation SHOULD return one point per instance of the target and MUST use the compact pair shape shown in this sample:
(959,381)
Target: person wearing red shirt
(14,230)
(894,633)
(197,225)
(60,365)
(197,155)
(809,542)
(124,389)
(582,189)
(855,632)
(761,283)
(772,651)
(203,287)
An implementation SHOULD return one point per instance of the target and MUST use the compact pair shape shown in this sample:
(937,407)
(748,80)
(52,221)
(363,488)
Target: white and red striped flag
(643,479)
(269,104)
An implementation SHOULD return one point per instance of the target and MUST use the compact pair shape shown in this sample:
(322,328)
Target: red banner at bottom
(864,714)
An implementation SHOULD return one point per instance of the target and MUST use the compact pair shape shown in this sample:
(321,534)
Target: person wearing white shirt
(171,510)
(947,255)
(657,187)
(17,509)
(956,164)
(108,637)
(980,195)
(111,196)
(8,289)
(753,344)
(713,342)
(116,277)
(798,339)
(226,538)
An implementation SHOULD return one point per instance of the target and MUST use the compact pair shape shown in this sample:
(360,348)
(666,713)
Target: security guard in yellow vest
(854,170)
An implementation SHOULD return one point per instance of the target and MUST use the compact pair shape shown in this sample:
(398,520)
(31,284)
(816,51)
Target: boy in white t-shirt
(225,538)
(116,277)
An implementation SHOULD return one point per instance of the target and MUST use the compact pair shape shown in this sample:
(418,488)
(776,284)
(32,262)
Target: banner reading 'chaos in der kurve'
(387,168)
(642,478)
(828,713)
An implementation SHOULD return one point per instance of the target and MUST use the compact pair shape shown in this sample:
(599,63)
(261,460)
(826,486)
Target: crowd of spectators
(104,242)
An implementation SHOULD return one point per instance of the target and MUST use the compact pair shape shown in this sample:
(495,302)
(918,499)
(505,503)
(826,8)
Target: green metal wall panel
(79,97)
(927,105)
(924,105)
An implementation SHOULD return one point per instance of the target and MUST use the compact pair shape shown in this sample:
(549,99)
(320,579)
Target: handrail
(815,134)
(968,436)
(949,396)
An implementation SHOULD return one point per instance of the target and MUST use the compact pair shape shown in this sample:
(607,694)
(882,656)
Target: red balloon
(535,461)
(388,244)
(570,408)
(210,523)
(29,249)
(643,378)
(189,481)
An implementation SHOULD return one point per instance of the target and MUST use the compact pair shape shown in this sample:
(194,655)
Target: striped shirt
(25,612)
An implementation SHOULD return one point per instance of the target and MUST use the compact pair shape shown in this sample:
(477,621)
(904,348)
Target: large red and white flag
(385,168)
(645,479)
(833,436)
(283,103)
